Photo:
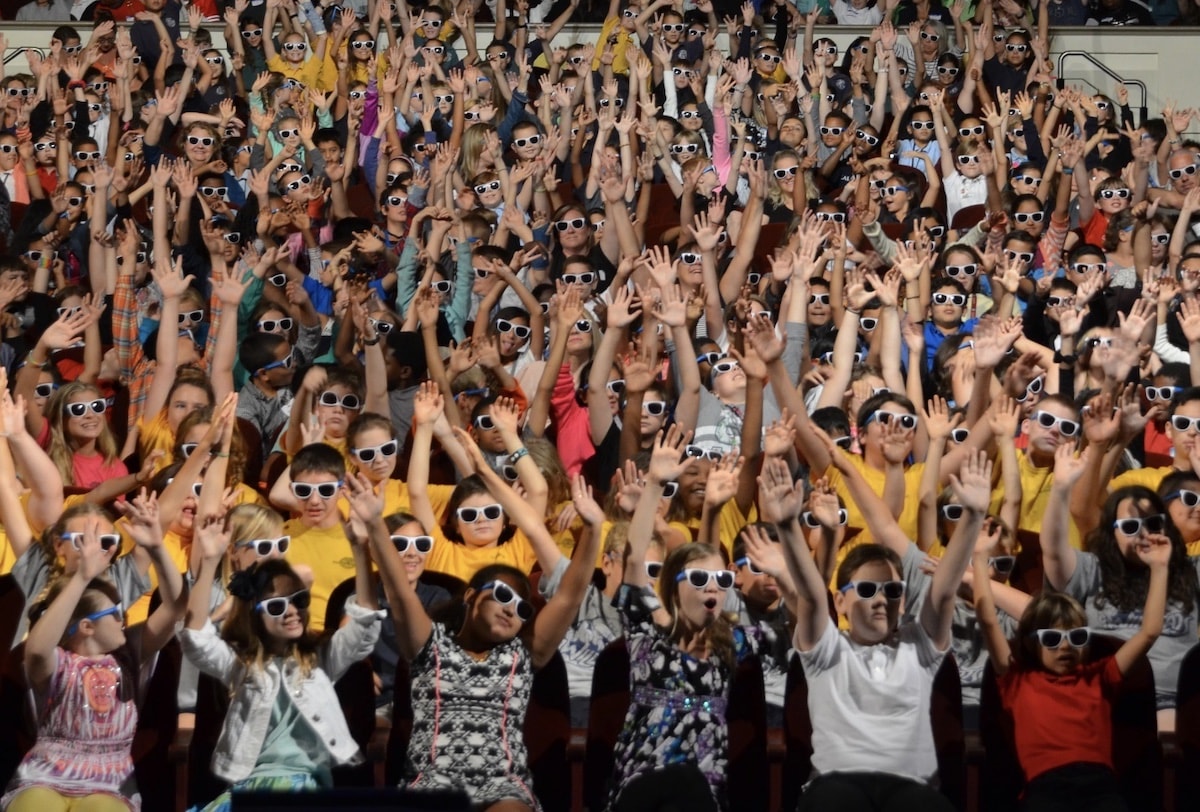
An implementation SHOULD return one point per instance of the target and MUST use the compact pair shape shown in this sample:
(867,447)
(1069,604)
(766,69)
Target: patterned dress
(85,732)
(469,719)
(677,708)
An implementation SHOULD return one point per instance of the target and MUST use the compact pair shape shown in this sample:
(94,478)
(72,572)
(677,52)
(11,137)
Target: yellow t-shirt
(876,479)
(729,523)
(328,554)
(624,41)
(1035,497)
(312,72)
(156,435)
(463,562)
(1147,477)
(179,550)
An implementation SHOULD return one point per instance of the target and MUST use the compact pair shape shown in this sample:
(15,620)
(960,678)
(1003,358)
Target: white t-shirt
(962,192)
(870,704)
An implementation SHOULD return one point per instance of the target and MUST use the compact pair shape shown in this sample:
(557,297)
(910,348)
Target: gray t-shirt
(966,637)
(1179,627)
(32,572)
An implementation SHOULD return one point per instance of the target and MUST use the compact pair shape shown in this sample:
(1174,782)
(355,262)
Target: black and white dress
(468,721)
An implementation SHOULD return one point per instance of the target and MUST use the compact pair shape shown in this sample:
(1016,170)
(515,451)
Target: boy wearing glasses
(314,482)
(869,688)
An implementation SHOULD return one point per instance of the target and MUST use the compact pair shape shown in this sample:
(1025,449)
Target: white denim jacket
(247,722)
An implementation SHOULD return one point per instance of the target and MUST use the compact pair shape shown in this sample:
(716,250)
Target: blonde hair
(61,452)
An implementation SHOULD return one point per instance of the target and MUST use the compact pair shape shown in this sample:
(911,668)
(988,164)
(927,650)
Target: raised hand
(780,498)
(937,419)
(428,404)
(722,482)
(972,485)
(666,459)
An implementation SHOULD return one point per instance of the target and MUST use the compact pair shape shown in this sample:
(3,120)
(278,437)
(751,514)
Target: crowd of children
(351,341)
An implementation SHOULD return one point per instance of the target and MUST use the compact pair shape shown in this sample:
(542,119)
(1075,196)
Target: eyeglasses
(472,515)
(654,408)
(922,124)
(191,316)
(1067,428)
(519,330)
(967,160)
(831,216)
(613,102)
(892,191)
(116,611)
(925,35)
(267,547)
(1162,392)
(1034,387)
(81,408)
(868,324)
(574,224)
(484,422)
(199,140)
(1099,341)
(819,298)
(348,402)
(1084,267)
(956,299)
(1030,179)
(863,135)
(380,326)
(585,278)
(294,46)
(325,490)
(285,168)
(907,422)
(970,269)
(44,390)
(1160,239)
(721,367)
(960,436)
(83,155)
(827,357)
(277,607)
(583,326)
(422,544)
(252,32)
(505,595)
(441,285)
(1109,194)
(744,561)
(108,541)
(43,146)
(653,569)
(1029,217)
(786,172)
(1003,564)
(532,140)
(669,490)
(491,186)
(832,130)
(892,590)
(364,44)
(709,358)
(701,578)
(434,49)
(368,454)
(1189,498)
(945,70)
(1176,174)
(687,114)
(810,519)
(1020,256)
(1053,638)
(691,149)
(1181,423)
(775,59)
(278,279)
(303,180)
(272,325)
(1060,301)
(698,452)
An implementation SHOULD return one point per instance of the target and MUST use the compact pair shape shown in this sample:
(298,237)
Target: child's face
(294,49)
(690,118)
(1065,659)
(831,131)
(1030,219)
(336,407)
(490,192)
(922,128)
(412,558)
(291,625)
(1113,200)
(948,307)
(699,607)
(317,510)
(511,342)
(66,550)
(383,450)
(484,531)
(969,165)
(872,620)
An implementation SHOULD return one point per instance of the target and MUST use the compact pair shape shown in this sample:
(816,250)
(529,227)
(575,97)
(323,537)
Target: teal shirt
(291,745)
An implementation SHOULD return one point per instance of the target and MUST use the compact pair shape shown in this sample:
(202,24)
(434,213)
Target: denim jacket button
(317,718)
(333,742)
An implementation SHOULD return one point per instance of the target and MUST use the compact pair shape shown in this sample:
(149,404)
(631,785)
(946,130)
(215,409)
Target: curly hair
(1124,584)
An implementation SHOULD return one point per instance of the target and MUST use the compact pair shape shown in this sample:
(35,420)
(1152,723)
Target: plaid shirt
(137,371)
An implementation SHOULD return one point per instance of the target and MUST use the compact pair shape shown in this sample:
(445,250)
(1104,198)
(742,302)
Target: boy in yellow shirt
(318,538)
(318,72)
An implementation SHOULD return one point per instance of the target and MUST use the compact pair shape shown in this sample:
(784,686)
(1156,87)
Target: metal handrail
(1137,83)
(16,52)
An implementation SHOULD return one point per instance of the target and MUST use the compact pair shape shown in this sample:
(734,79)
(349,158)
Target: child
(471,677)
(87,678)
(1060,702)
(284,730)
(869,689)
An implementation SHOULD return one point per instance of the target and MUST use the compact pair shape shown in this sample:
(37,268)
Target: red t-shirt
(91,471)
(1061,720)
